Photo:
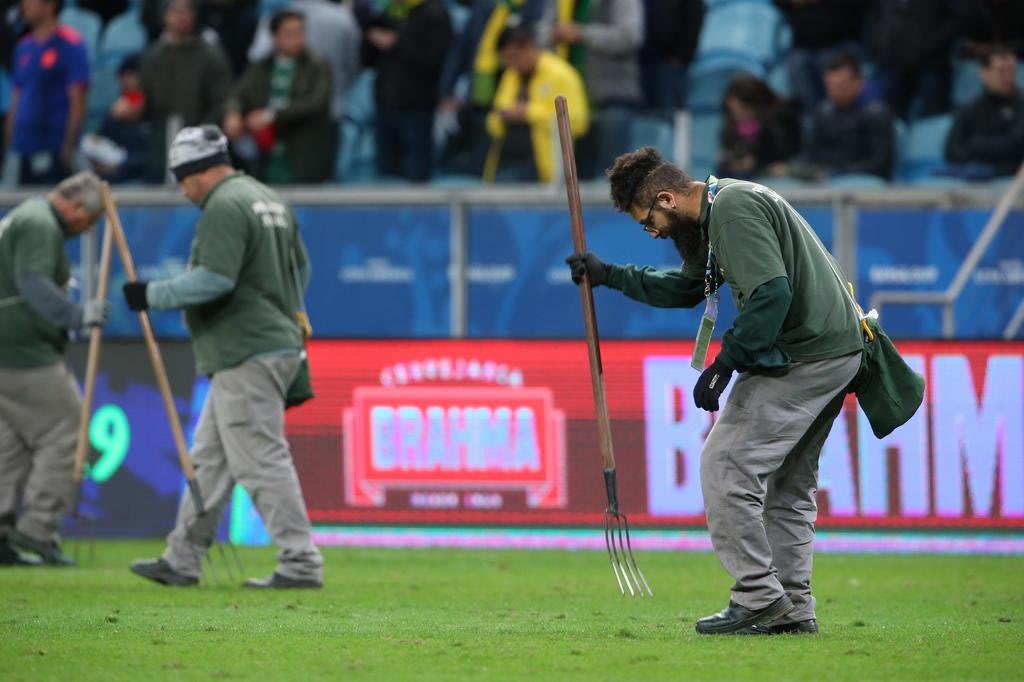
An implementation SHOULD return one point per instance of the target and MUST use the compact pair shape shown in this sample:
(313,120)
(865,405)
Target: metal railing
(948,298)
(844,203)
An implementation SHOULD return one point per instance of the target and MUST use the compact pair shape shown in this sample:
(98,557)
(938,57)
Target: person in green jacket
(39,400)
(284,104)
(796,345)
(186,81)
(247,274)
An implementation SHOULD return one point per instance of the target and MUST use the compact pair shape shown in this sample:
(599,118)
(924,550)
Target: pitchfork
(616,526)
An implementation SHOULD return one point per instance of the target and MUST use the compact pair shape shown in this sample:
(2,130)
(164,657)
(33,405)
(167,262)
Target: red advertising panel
(499,433)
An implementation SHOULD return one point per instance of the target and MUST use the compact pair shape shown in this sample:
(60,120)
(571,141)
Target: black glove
(711,384)
(590,264)
(135,295)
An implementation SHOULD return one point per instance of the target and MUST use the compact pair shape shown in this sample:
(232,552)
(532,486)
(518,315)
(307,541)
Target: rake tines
(620,548)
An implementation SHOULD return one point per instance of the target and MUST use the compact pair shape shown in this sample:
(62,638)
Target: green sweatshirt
(791,307)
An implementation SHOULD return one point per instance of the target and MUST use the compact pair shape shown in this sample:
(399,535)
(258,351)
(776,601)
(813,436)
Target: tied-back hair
(636,178)
(83,188)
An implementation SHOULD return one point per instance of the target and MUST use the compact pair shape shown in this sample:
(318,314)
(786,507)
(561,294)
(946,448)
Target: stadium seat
(87,24)
(652,131)
(123,36)
(922,152)
(709,79)
(966,81)
(741,28)
(357,152)
(704,145)
(359,104)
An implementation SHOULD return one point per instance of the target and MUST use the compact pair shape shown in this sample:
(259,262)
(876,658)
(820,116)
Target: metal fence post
(458,279)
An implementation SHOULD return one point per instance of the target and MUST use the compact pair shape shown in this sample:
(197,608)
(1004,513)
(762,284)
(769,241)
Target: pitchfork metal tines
(620,549)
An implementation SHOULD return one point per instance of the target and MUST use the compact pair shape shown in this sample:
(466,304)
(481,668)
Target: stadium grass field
(444,614)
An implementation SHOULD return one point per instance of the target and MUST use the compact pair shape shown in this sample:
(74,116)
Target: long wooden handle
(579,240)
(95,340)
(114,222)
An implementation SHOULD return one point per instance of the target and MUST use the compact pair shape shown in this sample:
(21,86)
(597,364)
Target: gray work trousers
(39,412)
(240,438)
(759,475)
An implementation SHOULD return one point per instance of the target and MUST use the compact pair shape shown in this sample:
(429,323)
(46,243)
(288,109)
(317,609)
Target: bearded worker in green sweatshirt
(245,281)
(796,346)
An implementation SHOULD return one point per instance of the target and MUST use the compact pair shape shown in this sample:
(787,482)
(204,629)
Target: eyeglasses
(648,222)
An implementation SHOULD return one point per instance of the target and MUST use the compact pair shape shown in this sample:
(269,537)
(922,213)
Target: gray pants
(240,437)
(39,413)
(759,475)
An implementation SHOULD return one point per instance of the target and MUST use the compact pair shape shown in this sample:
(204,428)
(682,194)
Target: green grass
(442,615)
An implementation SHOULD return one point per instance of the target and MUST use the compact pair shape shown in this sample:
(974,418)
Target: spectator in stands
(332,34)
(911,45)
(849,133)
(48,96)
(602,40)
(118,153)
(407,44)
(186,82)
(235,23)
(760,128)
(987,137)
(522,117)
(670,42)
(474,62)
(284,103)
(821,29)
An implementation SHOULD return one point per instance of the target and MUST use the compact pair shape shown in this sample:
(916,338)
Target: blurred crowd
(315,91)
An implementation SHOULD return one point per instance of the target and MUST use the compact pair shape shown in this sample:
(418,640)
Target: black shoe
(736,618)
(48,550)
(803,627)
(159,571)
(282,582)
(12,557)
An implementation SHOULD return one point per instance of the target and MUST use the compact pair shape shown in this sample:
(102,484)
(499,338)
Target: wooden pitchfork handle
(95,340)
(579,240)
(114,223)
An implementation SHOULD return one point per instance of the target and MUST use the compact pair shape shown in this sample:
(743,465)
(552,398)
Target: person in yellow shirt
(522,118)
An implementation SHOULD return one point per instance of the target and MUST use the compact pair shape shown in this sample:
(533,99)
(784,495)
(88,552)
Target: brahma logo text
(445,437)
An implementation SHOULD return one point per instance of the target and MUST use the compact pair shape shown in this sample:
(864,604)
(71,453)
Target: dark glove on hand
(135,295)
(711,384)
(590,264)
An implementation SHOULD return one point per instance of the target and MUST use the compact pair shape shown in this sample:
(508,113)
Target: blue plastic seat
(709,79)
(704,131)
(123,36)
(652,131)
(87,24)
(922,151)
(742,28)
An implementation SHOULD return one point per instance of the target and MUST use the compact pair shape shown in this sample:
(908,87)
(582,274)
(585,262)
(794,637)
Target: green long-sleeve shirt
(659,288)
(750,341)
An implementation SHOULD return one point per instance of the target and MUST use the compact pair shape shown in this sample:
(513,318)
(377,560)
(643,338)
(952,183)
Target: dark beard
(685,234)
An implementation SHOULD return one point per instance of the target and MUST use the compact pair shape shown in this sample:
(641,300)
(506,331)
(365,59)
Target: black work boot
(735,618)
(12,557)
(282,582)
(803,627)
(159,571)
(49,551)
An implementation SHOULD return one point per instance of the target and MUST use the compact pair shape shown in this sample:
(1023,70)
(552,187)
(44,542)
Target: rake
(616,526)
(159,369)
(82,444)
